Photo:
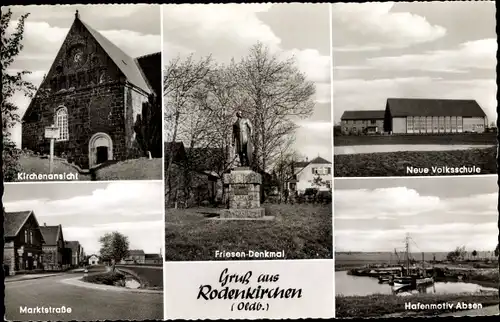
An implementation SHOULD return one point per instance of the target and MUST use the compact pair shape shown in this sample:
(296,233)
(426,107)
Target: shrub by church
(100,99)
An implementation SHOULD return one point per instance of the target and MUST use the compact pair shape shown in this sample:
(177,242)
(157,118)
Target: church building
(94,94)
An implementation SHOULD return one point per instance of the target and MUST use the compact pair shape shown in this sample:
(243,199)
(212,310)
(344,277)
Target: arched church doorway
(100,149)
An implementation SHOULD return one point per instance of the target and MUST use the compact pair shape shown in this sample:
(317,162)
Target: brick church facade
(94,94)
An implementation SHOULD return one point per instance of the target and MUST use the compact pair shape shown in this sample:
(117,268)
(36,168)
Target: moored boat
(386,278)
(401,281)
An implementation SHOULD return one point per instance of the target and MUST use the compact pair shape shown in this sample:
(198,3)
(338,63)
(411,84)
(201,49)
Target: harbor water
(349,285)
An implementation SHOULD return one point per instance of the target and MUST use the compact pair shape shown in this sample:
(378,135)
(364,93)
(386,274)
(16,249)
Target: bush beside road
(108,278)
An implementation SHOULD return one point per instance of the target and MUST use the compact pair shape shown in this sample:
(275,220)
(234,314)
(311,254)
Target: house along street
(44,298)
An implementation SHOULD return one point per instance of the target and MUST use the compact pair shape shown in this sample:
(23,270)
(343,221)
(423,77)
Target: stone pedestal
(243,190)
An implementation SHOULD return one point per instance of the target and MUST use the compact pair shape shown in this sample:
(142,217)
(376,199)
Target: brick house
(54,250)
(76,252)
(23,242)
(135,256)
(362,122)
(153,259)
(81,257)
(93,93)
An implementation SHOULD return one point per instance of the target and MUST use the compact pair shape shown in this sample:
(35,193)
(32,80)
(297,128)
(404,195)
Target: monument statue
(242,133)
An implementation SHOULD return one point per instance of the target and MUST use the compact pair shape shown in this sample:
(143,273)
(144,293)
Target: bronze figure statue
(242,137)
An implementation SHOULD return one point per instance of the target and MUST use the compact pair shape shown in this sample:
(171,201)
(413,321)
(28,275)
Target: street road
(86,304)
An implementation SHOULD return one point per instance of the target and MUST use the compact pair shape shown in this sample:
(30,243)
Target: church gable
(91,98)
(80,62)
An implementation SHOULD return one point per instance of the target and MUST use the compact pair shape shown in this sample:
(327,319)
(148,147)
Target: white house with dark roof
(316,173)
(93,260)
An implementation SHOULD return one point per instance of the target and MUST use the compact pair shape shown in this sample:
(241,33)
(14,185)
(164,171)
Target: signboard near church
(51,132)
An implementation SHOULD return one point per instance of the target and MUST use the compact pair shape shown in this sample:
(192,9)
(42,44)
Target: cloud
(228,31)
(315,126)
(366,94)
(237,24)
(472,54)
(445,237)
(378,220)
(314,138)
(134,43)
(385,202)
(204,26)
(316,66)
(129,199)
(402,202)
(379,27)
(63,11)
(132,208)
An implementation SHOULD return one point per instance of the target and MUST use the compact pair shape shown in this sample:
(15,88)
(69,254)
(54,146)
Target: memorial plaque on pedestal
(240,190)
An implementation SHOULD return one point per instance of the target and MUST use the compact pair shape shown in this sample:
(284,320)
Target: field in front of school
(446,139)
(385,164)
(302,231)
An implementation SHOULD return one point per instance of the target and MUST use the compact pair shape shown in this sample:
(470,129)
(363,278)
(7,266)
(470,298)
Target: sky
(440,214)
(47,26)
(442,49)
(229,30)
(87,211)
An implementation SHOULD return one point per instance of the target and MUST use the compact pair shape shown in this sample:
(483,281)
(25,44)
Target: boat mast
(407,244)
(423,265)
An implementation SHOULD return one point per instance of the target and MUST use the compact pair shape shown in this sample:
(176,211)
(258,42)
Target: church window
(102,77)
(62,123)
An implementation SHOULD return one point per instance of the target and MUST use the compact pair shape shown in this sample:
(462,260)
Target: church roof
(129,66)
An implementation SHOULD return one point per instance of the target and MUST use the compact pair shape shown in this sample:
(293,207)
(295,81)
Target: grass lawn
(135,169)
(302,231)
(382,304)
(34,164)
(395,163)
(464,138)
